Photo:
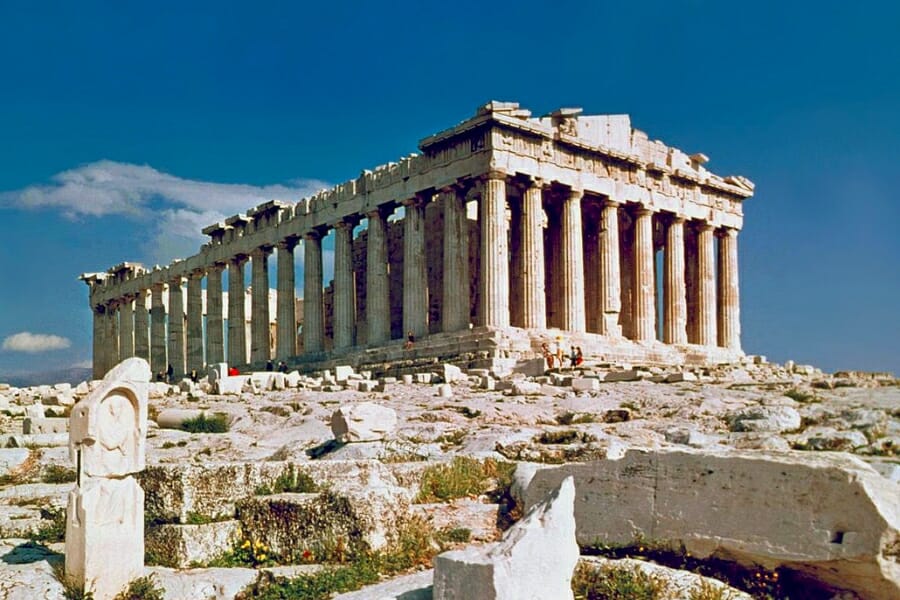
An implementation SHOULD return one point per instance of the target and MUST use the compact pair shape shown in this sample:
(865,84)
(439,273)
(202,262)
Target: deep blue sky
(802,98)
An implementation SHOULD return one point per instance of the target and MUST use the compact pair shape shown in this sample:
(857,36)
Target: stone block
(451,373)
(488,383)
(424,378)
(777,419)
(52,425)
(343,373)
(507,570)
(292,379)
(534,367)
(445,390)
(363,422)
(828,515)
(680,377)
(35,411)
(407,379)
(585,384)
(526,388)
(181,545)
(628,375)
(231,385)
(367,385)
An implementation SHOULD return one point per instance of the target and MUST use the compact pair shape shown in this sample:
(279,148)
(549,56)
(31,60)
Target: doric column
(674,289)
(126,328)
(644,288)
(378,308)
(99,339)
(237,319)
(176,327)
(111,356)
(259,307)
(286,319)
(573,317)
(493,277)
(534,297)
(729,291)
(195,322)
(159,358)
(610,301)
(415,277)
(706,291)
(344,288)
(215,345)
(141,326)
(313,306)
(455,293)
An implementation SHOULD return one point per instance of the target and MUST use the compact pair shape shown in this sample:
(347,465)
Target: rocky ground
(496,413)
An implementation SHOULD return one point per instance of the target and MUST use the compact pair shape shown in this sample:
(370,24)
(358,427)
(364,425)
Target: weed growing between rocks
(573,418)
(462,477)
(568,436)
(55,530)
(615,583)
(217,423)
(142,588)
(802,396)
(71,589)
(58,474)
(707,591)
(297,482)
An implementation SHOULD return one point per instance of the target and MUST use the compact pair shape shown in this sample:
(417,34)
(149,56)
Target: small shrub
(58,474)
(142,588)
(55,529)
(464,476)
(71,589)
(707,591)
(456,535)
(615,583)
(449,440)
(568,436)
(217,423)
(297,482)
(167,445)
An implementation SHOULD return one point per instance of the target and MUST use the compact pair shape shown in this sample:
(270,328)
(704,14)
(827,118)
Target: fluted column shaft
(344,288)
(158,340)
(176,327)
(573,311)
(729,291)
(111,356)
(706,292)
(415,276)
(215,347)
(674,289)
(644,288)
(195,322)
(534,296)
(126,328)
(493,279)
(259,307)
(610,302)
(455,292)
(286,317)
(237,318)
(99,342)
(313,306)
(378,308)
(141,326)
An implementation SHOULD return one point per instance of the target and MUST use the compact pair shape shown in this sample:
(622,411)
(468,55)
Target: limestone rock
(363,422)
(585,384)
(33,426)
(182,545)
(830,516)
(12,458)
(416,586)
(452,373)
(534,560)
(526,388)
(765,418)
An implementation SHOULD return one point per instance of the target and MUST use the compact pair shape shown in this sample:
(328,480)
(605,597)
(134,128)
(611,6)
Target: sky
(127,127)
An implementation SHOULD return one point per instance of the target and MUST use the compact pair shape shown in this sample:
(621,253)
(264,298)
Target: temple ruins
(504,232)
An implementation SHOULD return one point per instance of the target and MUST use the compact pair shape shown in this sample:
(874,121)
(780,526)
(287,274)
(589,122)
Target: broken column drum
(504,223)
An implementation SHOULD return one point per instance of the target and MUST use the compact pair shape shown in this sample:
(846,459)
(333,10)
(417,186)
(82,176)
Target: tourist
(282,366)
(194,375)
(573,358)
(270,366)
(560,353)
(232,371)
(548,356)
(579,356)
(410,340)
(170,373)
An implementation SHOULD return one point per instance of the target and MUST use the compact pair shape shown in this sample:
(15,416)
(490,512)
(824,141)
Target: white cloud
(176,208)
(34,342)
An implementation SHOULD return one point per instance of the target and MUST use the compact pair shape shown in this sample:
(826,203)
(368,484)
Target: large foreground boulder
(828,516)
(534,560)
(363,422)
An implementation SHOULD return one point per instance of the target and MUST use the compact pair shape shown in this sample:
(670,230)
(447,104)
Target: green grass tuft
(217,423)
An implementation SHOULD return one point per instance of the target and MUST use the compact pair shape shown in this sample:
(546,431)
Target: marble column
(313,301)
(378,308)
(237,318)
(644,288)
(729,314)
(176,327)
(415,276)
(215,343)
(493,276)
(706,292)
(692,282)
(99,339)
(455,293)
(534,295)
(344,288)
(159,358)
(573,312)
(111,356)
(259,307)
(141,326)
(610,301)
(126,328)
(195,322)
(674,289)
(553,268)
(286,317)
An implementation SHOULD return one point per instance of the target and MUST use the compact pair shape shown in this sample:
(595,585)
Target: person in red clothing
(232,371)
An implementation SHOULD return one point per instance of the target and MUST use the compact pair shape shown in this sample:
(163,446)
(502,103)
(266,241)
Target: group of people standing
(555,355)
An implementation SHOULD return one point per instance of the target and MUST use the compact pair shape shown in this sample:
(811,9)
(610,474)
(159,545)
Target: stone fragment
(445,390)
(526,388)
(585,384)
(407,379)
(452,373)
(629,375)
(292,379)
(679,377)
(534,367)
(174,418)
(363,422)
(617,415)
(367,385)
(765,418)
(488,383)
(342,373)
(830,439)
(12,458)
(424,378)
(828,515)
(35,411)
(231,385)
(534,560)
(50,425)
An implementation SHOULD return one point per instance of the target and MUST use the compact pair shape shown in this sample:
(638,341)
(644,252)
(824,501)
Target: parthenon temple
(503,232)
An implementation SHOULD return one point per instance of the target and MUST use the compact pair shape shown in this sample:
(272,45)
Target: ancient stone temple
(504,232)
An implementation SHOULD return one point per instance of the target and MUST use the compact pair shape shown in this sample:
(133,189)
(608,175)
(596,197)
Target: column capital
(525,181)
(703,225)
(198,274)
(418,200)
(216,267)
(611,203)
(288,243)
(314,234)
(677,219)
(494,174)
(384,211)
(238,259)
(643,210)
(729,232)
(261,251)
(176,280)
(348,222)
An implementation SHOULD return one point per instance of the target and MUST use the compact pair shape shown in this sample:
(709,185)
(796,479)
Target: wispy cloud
(177,208)
(32,343)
